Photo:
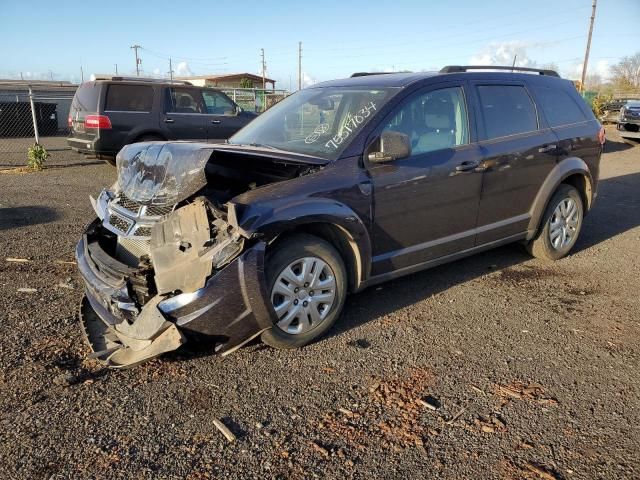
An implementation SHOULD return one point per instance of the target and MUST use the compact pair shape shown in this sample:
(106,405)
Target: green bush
(597,104)
(36,157)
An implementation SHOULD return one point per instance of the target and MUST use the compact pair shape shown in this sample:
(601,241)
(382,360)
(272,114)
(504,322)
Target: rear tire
(111,160)
(307,285)
(560,226)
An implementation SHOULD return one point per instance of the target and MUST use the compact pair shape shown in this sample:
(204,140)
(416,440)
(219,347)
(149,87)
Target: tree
(246,82)
(551,66)
(626,74)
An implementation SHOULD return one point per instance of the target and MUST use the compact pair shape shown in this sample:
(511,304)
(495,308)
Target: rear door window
(184,100)
(217,103)
(559,107)
(129,98)
(506,110)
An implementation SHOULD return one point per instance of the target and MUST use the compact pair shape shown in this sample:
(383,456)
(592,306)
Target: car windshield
(315,121)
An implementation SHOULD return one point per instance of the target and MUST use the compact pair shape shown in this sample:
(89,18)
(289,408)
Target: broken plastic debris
(27,290)
(225,431)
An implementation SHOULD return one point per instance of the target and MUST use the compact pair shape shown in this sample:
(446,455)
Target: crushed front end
(162,261)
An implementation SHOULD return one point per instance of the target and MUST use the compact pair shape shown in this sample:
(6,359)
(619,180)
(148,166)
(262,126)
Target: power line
(192,60)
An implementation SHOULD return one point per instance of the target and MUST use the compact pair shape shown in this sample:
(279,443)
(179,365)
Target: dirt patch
(392,413)
(526,274)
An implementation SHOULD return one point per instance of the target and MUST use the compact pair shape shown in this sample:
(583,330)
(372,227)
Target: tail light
(602,136)
(100,122)
(70,121)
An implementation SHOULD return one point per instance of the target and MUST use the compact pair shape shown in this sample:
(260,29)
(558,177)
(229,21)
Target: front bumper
(629,128)
(229,310)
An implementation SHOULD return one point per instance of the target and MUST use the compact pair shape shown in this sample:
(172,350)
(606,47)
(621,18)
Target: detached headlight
(161,173)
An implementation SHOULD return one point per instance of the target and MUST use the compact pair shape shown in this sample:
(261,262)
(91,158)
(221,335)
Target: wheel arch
(136,136)
(571,171)
(356,261)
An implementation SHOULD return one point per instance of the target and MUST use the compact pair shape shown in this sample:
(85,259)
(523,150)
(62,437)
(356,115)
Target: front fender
(563,170)
(271,221)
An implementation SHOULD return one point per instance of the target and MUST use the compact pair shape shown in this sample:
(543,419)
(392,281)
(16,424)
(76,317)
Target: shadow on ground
(14,217)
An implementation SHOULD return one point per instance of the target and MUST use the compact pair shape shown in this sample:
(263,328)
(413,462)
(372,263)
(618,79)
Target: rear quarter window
(506,110)
(86,98)
(129,98)
(558,106)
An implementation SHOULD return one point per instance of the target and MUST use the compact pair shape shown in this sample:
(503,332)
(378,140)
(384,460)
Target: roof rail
(464,68)
(366,74)
(119,78)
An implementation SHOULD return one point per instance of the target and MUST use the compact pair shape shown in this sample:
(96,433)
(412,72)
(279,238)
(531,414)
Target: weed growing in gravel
(36,156)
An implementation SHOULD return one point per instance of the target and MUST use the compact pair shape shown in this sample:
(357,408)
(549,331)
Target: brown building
(231,80)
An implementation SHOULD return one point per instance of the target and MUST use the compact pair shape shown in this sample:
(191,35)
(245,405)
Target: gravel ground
(496,366)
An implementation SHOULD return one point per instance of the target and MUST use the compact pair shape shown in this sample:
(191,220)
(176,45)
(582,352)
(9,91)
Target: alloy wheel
(303,294)
(563,224)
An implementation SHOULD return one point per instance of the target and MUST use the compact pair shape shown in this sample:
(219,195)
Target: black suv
(108,113)
(338,187)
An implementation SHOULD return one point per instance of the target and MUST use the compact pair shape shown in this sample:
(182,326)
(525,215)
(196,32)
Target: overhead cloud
(307,80)
(600,68)
(503,53)
(183,70)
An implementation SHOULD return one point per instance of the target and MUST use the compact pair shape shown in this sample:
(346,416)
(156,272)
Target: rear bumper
(229,310)
(91,146)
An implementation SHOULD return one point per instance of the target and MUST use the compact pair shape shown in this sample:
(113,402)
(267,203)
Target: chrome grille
(156,210)
(119,223)
(130,251)
(129,204)
(143,232)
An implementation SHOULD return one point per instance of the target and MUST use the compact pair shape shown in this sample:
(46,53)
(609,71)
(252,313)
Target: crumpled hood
(162,173)
(165,173)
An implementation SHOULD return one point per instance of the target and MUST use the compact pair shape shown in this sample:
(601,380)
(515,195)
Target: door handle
(215,122)
(466,166)
(547,148)
(168,120)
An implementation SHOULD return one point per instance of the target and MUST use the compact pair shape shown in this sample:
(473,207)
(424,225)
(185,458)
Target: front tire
(307,285)
(561,225)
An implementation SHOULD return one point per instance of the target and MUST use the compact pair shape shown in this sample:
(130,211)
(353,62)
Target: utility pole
(138,61)
(586,54)
(81,74)
(299,65)
(51,75)
(170,70)
(116,65)
(513,65)
(264,67)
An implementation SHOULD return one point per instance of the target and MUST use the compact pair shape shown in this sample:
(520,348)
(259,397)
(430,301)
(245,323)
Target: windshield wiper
(264,145)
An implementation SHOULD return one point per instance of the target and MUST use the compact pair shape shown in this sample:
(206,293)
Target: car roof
(377,80)
(633,103)
(380,80)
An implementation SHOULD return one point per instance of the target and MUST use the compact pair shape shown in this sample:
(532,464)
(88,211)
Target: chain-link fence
(253,99)
(29,115)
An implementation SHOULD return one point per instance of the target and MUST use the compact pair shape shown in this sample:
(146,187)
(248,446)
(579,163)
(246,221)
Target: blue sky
(43,38)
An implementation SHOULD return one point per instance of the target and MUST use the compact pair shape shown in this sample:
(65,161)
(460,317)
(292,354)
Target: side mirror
(393,146)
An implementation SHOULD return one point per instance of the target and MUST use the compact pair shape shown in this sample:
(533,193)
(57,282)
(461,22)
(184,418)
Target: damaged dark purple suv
(338,187)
